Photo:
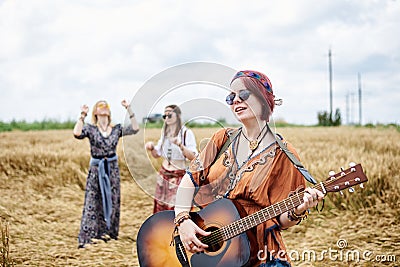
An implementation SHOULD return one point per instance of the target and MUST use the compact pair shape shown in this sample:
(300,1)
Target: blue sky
(57,55)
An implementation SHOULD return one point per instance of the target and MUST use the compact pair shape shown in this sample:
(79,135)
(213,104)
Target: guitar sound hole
(214,240)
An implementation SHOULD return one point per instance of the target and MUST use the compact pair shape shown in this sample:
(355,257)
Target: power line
(359,100)
(347,109)
(330,83)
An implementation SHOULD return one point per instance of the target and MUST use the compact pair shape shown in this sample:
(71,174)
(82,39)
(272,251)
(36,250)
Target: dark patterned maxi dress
(93,224)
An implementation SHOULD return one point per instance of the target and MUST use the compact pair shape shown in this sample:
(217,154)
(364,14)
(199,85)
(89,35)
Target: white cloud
(76,52)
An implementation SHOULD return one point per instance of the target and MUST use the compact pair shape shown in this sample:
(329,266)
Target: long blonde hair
(94,116)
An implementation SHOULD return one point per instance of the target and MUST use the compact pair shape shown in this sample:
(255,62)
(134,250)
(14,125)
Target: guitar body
(154,239)
(227,221)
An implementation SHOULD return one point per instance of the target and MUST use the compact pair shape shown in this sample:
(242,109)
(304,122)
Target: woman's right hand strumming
(189,232)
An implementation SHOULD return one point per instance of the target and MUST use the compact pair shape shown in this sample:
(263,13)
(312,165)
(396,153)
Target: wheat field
(43,176)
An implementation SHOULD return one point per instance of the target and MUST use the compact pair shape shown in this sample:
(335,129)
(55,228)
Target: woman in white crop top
(176,145)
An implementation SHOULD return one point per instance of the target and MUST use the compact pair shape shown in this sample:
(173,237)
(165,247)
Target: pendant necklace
(253,144)
(169,135)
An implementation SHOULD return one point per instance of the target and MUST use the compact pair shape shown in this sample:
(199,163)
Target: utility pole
(359,100)
(352,106)
(330,84)
(347,109)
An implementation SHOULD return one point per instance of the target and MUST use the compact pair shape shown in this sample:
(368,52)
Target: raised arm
(81,121)
(134,123)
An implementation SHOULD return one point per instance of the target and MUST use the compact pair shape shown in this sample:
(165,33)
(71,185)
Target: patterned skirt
(92,223)
(167,185)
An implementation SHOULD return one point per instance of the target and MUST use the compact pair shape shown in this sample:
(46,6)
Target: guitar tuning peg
(352,164)
(331,173)
(361,185)
(342,173)
(351,190)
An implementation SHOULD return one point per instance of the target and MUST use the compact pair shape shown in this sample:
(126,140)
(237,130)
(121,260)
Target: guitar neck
(335,183)
(263,215)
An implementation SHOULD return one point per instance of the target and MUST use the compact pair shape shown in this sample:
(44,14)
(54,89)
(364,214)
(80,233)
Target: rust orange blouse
(264,179)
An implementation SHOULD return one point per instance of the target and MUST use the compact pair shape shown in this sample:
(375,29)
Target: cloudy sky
(57,55)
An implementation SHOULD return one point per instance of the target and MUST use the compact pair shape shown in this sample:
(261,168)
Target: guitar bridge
(181,252)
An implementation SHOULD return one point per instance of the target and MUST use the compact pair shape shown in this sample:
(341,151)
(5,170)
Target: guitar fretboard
(337,182)
(236,228)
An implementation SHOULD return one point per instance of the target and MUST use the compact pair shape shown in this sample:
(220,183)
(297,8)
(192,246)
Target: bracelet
(130,112)
(83,116)
(292,216)
(182,216)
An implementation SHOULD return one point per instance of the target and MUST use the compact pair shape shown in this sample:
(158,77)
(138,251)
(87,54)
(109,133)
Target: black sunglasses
(167,116)
(243,95)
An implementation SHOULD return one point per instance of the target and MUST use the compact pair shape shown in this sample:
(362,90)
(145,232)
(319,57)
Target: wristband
(130,112)
(292,216)
(182,216)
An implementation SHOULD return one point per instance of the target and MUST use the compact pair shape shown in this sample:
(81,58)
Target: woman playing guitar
(252,170)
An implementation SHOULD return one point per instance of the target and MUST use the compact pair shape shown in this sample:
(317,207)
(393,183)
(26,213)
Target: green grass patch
(47,124)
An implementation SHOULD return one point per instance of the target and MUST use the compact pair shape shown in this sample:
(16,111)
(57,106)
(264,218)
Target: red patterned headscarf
(263,82)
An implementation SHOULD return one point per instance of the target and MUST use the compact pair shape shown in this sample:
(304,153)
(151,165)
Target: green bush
(325,118)
(47,124)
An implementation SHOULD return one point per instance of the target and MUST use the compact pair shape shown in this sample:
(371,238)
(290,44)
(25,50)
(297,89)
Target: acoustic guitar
(232,240)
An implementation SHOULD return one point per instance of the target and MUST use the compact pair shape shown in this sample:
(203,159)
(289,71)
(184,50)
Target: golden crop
(43,176)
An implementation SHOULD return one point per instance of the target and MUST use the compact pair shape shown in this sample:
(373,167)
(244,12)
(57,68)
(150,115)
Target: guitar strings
(217,236)
(235,228)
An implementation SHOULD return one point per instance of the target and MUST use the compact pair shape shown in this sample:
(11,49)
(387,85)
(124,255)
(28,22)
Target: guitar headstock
(346,179)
